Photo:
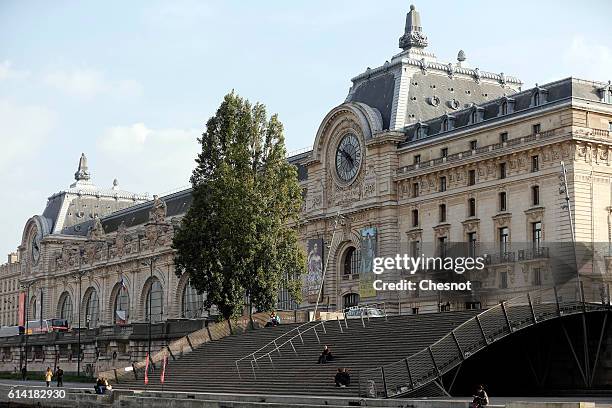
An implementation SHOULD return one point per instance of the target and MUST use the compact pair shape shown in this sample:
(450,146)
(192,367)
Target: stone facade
(438,146)
(9,291)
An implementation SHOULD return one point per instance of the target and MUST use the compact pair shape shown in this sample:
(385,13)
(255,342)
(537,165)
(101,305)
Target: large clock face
(36,248)
(348,157)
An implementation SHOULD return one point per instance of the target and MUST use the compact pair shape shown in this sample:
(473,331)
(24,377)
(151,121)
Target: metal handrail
(509,324)
(272,342)
(277,347)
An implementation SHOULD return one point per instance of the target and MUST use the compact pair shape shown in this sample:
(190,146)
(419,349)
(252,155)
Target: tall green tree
(237,241)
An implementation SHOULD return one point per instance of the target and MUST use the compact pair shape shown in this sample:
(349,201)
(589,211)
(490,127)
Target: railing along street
(429,364)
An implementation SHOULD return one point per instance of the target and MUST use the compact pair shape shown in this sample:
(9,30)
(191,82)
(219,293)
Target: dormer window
(476,115)
(606,93)
(421,131)
(448,123)
(506,106)
(538,96)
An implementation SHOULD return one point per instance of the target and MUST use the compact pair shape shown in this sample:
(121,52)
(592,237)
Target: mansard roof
(177,205)
(551,93)
(413,86)
(83,201)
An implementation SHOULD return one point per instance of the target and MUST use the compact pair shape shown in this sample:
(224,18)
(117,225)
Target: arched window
(92,309)
(154,302)
(66,307)
(193,303)
(350,300)
(121,308)
(33,310)
(351,261)
(504,108)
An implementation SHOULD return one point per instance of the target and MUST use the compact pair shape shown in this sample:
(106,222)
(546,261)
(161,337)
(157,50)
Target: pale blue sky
(131,84)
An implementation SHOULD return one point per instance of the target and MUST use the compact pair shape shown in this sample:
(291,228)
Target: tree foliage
(237,241)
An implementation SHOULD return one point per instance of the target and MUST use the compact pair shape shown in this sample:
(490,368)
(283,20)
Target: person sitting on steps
(342,378)
(274,320)
(325,356)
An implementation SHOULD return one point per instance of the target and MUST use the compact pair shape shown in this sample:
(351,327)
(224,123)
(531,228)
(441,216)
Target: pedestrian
(59,375)
(48,376)
(24,373)
(481,398)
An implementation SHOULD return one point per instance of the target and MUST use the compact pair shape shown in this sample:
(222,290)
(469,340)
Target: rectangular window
(444,152)
(471,177)
(472,207)
(502,170)
(471,239)
(474,144)
(502,201)
(415,249)
(537,276)
(504,240)
(442,241)
(417,159)
(535,163)
(503,137)
(536,128)
(415,189)
(536,236)
(442,212)
(442,184)
(535,195)
(609,126)
(415,218)
(503,280)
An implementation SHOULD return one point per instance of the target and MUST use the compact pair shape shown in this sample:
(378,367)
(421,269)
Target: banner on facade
(22,301)
(314,273)
(368,253)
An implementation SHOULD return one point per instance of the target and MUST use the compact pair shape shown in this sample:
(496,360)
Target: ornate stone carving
(441,230)
(121,239)
(414,234)
(96,231)
(502,220)
(369,183)
(158,211)
(535,214)
(471,225)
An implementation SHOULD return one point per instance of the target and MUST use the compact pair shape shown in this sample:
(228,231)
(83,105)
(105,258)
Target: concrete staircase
(211,367)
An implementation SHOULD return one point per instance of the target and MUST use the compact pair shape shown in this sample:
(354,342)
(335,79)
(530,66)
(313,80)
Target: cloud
(8,72)
(87,83)
(156,159)
(177,15)
(588,60)
(24,129)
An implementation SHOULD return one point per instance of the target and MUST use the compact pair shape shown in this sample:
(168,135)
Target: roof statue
(82,172)
(158,212)
(413,33)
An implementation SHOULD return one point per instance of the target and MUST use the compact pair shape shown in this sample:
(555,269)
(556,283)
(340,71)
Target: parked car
(357,311)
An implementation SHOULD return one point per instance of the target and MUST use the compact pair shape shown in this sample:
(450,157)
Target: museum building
(420,155)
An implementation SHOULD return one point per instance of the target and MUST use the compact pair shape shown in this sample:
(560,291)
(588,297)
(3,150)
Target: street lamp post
(564,190)
(339,219)
(151,264)
(80,274)
(26,286)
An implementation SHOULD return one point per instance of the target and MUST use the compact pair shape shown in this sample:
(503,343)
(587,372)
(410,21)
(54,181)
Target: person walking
(59,376)
(48,376)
